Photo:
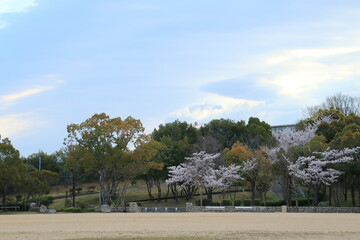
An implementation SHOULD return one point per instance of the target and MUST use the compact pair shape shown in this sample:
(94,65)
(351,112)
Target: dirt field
(212,225)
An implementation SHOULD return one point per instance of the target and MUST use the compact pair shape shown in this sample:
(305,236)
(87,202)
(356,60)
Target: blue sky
(63,61)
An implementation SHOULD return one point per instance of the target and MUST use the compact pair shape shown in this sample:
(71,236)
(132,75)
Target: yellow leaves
(238,154)
(155,166)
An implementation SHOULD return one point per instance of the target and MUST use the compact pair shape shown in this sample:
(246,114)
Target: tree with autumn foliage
(106,142)
(256,168)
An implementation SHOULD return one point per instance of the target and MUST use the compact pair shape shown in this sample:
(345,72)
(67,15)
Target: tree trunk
(265,198)
(167,193)
(209,192)
(353,195)
(149,188)
(330,195)
(338,194)
(345,191)
(158,186)
(73,189)
(253,192)
(316,195)
(174,191)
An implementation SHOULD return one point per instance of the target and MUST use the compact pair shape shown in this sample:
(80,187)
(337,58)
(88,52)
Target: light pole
(100,191)
(39,163)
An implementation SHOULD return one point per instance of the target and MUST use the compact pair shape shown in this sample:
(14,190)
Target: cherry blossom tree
(199,171)
(290,143)
(316,171)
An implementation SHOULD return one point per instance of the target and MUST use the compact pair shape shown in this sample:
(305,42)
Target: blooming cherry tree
(200,171)
(289,139)
(316,170)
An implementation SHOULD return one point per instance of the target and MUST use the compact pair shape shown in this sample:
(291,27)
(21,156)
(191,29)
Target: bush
(91,210)
(274,203)
(237,202)
(68,203)
(207,202)
(257,202)
(226,202)
(302,202)
(73,210)
(247,202)
(80,205)
(47,200)
(215,204)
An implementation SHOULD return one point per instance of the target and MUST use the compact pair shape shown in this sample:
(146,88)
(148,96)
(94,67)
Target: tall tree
(290,147)
(11,169)
(344,103)
(106,141)
(178,140)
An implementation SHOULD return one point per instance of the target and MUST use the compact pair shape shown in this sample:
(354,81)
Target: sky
(158,61)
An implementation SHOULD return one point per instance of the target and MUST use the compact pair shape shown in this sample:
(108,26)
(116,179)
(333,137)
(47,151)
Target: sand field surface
(211,225)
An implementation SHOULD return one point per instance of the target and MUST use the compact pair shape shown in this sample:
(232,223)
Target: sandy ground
(215,225)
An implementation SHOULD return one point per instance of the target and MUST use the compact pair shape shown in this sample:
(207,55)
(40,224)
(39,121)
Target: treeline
(116,151)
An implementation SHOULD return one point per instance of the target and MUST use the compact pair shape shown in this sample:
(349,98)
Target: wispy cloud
(17,124)
(313,53)
(9,99)
(215,105)
(25,93)
(16,6)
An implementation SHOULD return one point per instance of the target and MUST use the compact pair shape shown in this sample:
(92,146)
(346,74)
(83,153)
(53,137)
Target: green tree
(106,142)
(41,160)
(178,142)
(36,183)
(74,162)
(254,134)
(11,169)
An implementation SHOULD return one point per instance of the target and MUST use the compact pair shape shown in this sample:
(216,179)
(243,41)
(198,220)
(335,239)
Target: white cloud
(25,93)
(215,105)
(290,55)
(9,99)
(300,73)
(16,6)
(16,124)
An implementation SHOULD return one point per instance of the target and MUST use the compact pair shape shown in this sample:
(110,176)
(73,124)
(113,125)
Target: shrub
(237,202)
(91,210)
(247,202)
(68,203)
(274,203)
(226,202)
(257,202)
(207,202)
(73,210)
(47,200)
(80,205)
(302,202)
(215,204)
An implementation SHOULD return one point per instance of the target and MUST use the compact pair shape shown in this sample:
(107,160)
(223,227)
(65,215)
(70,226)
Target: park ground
(173,226)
